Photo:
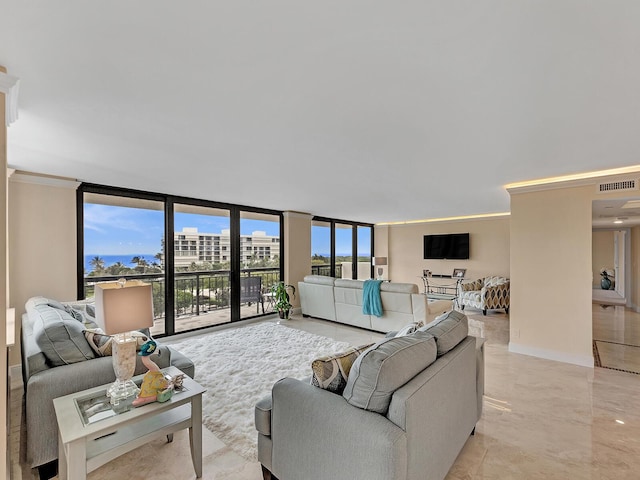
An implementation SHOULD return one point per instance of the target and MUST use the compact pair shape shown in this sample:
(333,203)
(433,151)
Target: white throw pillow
(409,329)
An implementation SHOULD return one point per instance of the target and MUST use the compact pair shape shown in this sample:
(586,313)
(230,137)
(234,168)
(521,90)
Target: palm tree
(97,264)
(140,262)
(117,268)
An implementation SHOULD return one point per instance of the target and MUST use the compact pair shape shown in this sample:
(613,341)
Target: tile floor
(541,420)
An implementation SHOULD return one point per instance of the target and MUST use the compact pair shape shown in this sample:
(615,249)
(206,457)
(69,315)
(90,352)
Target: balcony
(201,298)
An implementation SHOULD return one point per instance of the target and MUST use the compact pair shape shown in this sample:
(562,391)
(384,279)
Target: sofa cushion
(319,279)
(449,330)
(385,367)
(399,287)
(60,336)
(331,372)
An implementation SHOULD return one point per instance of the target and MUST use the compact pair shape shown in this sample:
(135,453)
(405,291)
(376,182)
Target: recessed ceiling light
(620,422)
(617,221)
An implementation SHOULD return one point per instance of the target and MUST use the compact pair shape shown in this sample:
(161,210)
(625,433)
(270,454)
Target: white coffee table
(91,434)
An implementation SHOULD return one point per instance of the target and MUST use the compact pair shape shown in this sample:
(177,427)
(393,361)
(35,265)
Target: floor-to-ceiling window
(201,266)
(321,256)
(365,241)
(209,263)
(341,248)
(260,261)
(124,237)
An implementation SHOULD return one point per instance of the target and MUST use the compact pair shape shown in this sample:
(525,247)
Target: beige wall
(297,237)
(42,242)
(4,460)
(634,264)
(551,274)
(602,254)
(489,249)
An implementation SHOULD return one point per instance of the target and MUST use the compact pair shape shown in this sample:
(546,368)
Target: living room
(507,136)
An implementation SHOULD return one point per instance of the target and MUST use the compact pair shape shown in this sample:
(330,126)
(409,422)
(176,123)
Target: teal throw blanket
(371,303)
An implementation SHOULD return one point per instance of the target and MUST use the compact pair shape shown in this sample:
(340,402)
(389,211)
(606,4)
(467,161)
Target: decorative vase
(605,283)
(283,314)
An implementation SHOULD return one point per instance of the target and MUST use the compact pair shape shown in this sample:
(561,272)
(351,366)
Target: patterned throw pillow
(331,372)
(101,344)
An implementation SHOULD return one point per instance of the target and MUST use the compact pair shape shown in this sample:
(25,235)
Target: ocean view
(124,259)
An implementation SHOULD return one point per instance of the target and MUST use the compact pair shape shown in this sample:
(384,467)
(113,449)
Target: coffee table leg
(62,460)
(195,434)
(77,460)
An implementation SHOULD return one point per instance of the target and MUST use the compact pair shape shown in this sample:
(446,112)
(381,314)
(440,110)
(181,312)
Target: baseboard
(581,360)
(15,376)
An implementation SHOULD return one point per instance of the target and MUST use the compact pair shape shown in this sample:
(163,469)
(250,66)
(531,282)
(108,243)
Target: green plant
(281,296)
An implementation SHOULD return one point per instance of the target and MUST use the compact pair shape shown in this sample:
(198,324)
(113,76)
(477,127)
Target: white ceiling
(360,110)
(625,210)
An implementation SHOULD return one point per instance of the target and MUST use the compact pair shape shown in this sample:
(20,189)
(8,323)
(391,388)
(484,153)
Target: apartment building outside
(192,246)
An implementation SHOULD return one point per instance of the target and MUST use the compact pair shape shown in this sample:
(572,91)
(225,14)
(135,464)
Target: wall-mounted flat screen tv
(450,246)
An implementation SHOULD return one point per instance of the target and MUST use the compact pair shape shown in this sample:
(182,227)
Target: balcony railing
(325,270)
(195,292)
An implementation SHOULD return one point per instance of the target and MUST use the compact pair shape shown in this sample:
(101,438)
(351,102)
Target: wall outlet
(515,333)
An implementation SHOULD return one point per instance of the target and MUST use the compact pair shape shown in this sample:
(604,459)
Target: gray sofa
(307,432)
(340,300)
(57,360)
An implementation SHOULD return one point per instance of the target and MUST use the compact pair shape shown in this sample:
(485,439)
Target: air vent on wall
(618,186)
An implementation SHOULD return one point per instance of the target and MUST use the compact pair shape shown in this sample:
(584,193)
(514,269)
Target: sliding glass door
(201,266)
(259,260)
(209,263)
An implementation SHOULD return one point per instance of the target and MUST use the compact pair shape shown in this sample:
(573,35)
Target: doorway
(615,317)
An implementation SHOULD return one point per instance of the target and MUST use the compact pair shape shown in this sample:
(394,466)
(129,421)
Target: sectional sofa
(340,300)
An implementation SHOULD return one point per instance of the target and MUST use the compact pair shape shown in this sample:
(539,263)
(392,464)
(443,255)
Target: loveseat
(340,300)
(488,293)
(407,409)
(57,359)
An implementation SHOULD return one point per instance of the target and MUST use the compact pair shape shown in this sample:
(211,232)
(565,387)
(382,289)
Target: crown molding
(48,180)
(572,181)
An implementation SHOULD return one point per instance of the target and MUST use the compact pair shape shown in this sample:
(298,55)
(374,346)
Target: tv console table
(446,287)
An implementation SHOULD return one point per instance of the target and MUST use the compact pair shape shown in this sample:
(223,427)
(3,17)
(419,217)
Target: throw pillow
(60,336)
(449,331)
(84,312)
(408,329)
(385,367)
(102,344)
(331,372)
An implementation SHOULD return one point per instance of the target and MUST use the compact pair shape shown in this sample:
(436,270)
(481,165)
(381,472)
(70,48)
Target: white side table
(91,434)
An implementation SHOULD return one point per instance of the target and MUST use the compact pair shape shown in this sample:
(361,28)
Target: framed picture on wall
(459,272)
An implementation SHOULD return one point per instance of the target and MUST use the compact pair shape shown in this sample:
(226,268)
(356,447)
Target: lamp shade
(379,261)
(123,306)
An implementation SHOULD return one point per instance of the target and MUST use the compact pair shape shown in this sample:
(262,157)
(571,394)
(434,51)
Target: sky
(116,230)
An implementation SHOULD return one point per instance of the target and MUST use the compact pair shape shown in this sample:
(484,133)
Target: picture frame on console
(459,272)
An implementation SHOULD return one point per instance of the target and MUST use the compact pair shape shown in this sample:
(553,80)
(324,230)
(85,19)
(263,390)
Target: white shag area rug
(239,367)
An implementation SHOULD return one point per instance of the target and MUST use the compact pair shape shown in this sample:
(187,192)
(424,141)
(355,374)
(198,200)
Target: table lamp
(378,262)
(121,307)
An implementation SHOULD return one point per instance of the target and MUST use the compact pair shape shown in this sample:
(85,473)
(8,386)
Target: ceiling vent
(618,186)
